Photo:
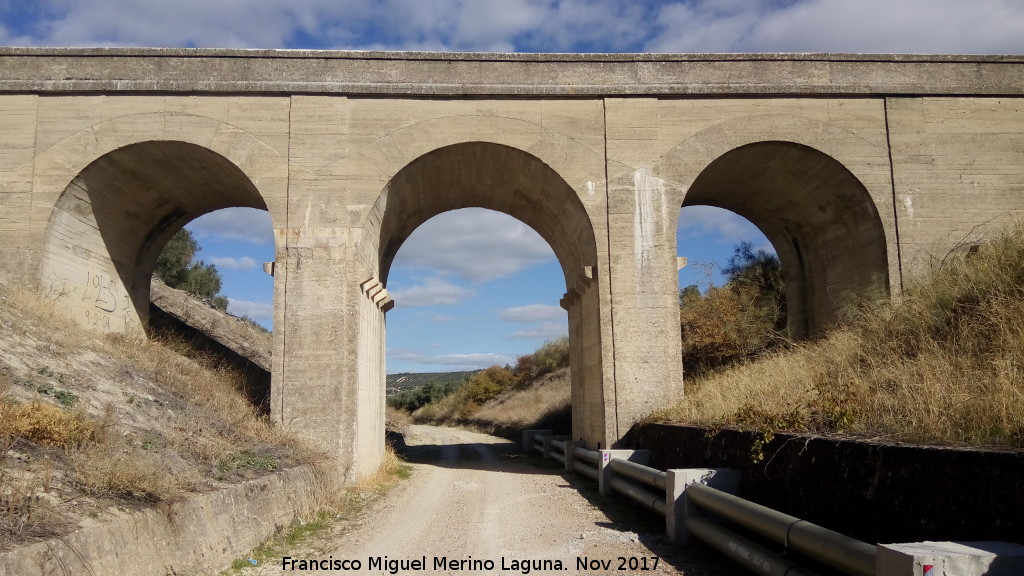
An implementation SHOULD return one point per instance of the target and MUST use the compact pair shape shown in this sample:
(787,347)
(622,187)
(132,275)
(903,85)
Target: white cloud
(550,321)
(979,26)
(474,244)
(533,313)
(725,226)
(433,292)
(451,361)
(254,310)
(941,26)
(245,224)
(243,263)
(545,331)
(877,26)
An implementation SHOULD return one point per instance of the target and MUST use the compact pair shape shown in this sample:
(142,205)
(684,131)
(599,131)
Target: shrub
(740,319)
(45,424)
(939,363)
(466,399)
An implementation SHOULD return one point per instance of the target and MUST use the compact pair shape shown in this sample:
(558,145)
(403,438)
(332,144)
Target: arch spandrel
(476,174)
(365,168)
(61,162)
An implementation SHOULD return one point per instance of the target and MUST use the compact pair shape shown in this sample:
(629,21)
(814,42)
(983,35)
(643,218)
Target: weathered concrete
(199,535)
(236,335)
(680,507)
(858,168)
(951,559)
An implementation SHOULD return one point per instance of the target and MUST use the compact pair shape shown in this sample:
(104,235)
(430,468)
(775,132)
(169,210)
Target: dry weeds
(940,364)
(88,422)
(518,408)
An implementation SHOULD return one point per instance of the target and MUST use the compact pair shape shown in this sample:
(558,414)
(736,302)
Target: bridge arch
(508,180)
(819,217)
(113,218)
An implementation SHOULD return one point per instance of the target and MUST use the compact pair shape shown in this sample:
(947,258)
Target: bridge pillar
(644,299)
(329,378)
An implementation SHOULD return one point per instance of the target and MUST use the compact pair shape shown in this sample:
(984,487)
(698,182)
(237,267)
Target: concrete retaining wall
(201,535)
(871,491)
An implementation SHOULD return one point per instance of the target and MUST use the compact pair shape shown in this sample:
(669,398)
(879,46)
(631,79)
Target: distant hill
(406,380)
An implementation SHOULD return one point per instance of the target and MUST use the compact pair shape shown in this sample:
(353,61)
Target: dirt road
(476,505)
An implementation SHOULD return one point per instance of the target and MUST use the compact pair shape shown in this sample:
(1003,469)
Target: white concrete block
(950,559)
(604,473)
(724,479)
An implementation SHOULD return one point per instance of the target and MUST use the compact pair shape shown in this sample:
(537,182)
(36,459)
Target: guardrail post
(547,444)
(528,436)
(677,505)
(570,457)
(949,558)
(604,473)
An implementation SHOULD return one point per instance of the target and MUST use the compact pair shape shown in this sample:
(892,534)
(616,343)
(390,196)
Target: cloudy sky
(474,287)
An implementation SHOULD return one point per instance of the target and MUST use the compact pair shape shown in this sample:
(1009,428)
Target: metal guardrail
(585,462)
(830,548)
(558,452)
(743,551)
(634,481)
(638,473)
(638,494)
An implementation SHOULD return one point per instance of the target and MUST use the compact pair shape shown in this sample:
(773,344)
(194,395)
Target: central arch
(516,183)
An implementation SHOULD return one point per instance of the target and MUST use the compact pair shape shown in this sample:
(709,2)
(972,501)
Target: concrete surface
(951,559)
(200,535)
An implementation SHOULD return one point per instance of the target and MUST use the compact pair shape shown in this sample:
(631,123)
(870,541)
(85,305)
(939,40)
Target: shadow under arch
(819,217)
(112,220)
(507,180)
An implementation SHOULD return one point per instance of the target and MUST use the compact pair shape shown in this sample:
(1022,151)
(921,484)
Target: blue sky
(473,287)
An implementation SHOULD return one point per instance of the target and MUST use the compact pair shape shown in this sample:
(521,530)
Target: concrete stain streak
(649,198)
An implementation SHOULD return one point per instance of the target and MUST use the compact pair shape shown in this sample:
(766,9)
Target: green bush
(176,268)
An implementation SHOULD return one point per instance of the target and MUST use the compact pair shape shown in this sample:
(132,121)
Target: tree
(203,280)
(689,295)
(760,273)
(172,265)
(175,267)
(739,319)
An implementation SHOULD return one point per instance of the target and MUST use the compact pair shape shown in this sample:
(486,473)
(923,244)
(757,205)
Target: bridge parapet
(218,71)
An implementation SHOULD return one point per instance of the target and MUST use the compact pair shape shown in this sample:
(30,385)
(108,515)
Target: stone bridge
(860,169)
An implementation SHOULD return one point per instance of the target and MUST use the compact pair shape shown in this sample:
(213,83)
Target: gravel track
(474,497)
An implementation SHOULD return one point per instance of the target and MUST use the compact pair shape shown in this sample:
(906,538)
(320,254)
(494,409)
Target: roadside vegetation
(89,422)
(498,399)
(939,364)
(331,513)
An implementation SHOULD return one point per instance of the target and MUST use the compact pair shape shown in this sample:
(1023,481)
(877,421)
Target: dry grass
(44,424)
(141,423)
(519,408)
(544,402)
(396,420)
(941,364)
